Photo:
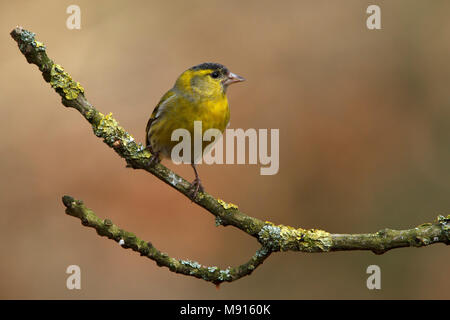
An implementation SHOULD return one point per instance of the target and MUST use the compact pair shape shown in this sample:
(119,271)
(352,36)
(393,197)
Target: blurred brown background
(364,144)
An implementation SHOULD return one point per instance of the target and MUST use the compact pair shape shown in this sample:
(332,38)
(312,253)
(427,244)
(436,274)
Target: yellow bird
(199,94)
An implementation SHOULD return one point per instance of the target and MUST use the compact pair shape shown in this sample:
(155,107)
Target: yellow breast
(181,112)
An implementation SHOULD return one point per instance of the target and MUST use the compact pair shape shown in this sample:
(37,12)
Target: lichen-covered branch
(285,238)
(127,239)
(272,237)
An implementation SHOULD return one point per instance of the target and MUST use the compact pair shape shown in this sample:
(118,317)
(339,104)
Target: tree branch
(127,239)
(272,237)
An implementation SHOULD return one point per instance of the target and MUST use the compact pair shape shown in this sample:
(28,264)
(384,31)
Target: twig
(127,239)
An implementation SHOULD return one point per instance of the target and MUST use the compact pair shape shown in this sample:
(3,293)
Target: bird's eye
(215,74)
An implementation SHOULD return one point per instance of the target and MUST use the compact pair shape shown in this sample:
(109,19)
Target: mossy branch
(127,239)
(272,237)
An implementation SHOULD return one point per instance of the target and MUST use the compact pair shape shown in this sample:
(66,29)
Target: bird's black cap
(211,66)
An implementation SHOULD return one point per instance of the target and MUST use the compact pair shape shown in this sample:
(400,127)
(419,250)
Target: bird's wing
(156,113)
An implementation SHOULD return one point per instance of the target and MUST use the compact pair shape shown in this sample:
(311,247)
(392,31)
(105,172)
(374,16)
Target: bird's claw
(196,186)
(154,159)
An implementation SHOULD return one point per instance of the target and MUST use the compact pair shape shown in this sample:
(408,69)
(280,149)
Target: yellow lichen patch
(90,114)
(109,122)
(72,90)
(108,128)
(315,238)
(287,232)
(39,44)
(284,238)
(227,205)
(59,79)
(109,117)
(316,234)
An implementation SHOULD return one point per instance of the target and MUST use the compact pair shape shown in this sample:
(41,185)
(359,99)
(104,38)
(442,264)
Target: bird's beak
(232,78)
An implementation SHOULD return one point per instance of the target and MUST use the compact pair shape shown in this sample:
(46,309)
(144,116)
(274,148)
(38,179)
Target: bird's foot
(154,159)
(196,186)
